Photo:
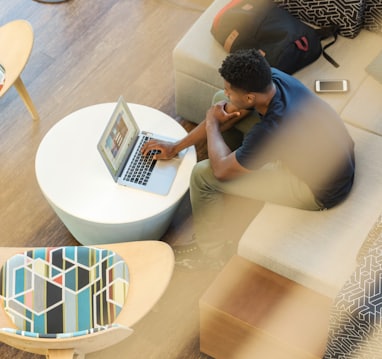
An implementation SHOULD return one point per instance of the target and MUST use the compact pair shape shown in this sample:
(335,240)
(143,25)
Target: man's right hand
(166,150)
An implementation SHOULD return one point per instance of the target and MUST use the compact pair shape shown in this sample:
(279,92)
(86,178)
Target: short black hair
(247,70)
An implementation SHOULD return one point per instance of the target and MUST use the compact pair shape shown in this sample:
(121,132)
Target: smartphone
(331,85)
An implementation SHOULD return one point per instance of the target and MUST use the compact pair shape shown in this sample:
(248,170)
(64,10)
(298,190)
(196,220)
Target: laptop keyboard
(141,166)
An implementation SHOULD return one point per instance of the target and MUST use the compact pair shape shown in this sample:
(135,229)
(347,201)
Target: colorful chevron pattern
(52,291)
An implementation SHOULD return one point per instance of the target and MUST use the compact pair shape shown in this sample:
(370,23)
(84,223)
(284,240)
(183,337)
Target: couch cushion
(353,56)
(348,15)
(49,291)
(318,249)
(365,108)
(373,15)
(198,54)
(196,60)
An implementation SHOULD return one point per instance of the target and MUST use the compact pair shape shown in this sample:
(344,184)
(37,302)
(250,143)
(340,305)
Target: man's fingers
(149,146)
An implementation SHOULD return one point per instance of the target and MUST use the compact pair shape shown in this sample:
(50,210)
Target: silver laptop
(120,148)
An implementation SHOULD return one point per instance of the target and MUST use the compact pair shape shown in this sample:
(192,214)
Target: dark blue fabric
(307,135)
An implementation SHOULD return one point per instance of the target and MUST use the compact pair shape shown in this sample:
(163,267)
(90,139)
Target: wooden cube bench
(250,312)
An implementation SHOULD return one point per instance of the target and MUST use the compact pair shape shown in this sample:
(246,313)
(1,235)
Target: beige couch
(315,249)
(305,246)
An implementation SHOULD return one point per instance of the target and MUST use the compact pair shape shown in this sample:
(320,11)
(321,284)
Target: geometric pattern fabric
(373,15)
(350,15)
(63,291)
(356,316)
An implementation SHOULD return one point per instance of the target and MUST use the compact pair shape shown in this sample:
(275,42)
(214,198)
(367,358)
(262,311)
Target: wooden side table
(16,42)
(250,312)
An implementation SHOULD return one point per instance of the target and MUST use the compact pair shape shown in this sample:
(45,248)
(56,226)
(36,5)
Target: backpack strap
(324,33)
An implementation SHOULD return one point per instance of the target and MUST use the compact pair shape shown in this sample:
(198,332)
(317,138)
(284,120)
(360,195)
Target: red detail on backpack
(302,44)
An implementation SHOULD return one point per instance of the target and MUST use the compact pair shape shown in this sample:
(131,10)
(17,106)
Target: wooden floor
(88,52)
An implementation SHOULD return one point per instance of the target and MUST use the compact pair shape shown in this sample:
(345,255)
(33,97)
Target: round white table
(77,184)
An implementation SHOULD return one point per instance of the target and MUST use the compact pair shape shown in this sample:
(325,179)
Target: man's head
(245,72)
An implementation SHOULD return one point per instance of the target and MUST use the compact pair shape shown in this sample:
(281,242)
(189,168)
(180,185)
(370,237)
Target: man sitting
(296,151)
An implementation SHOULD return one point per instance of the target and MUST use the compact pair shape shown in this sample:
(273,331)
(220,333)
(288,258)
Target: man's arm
(169,150)
(223,161)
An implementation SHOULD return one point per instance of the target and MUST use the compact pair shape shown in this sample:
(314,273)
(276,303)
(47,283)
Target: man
(297,153)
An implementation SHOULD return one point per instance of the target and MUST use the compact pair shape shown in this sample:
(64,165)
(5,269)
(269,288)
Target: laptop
(120,147)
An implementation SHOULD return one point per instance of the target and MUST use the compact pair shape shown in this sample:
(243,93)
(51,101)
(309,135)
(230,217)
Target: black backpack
(286,42)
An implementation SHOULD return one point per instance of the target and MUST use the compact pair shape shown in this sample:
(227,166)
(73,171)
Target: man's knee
(200,171)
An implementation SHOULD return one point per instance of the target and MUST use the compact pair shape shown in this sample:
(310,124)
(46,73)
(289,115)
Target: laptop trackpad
(163,176)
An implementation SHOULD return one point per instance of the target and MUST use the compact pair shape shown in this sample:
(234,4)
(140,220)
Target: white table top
(73,176)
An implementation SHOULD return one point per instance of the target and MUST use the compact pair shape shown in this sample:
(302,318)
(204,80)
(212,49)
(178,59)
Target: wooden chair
(16,42)
(141,269)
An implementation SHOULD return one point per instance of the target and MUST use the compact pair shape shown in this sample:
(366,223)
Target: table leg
(51,1)
(61,354)
(19,85)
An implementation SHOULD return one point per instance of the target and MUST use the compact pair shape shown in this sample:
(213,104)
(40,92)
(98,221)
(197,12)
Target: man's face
(238,98)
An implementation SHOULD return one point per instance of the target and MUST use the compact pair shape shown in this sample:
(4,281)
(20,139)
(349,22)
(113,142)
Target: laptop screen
(118,138)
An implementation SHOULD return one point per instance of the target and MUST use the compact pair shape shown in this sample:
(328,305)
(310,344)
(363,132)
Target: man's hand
(218,115)
(167,149)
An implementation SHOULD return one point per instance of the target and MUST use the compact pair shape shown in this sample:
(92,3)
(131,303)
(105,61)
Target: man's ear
(251,98)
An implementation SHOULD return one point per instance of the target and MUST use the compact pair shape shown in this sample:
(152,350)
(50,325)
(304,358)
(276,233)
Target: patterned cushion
(57,335)
(373,15)
(51,291)
(347,14)
(356,317)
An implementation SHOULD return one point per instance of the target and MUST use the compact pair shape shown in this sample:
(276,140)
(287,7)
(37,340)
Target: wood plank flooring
(85,52)
(88,52)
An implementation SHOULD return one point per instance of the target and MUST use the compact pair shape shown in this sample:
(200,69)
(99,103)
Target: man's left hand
(218,116)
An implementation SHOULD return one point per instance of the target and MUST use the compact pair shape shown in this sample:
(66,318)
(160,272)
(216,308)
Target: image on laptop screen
(118,138)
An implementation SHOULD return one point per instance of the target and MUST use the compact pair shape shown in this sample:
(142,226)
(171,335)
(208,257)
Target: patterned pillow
(373,15)
(356,317)
(51,291)
(347,14)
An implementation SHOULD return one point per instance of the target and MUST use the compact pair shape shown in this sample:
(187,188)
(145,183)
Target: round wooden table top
(16,42)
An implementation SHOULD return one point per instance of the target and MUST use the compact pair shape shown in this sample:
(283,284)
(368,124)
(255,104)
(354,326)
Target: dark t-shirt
(306,135)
